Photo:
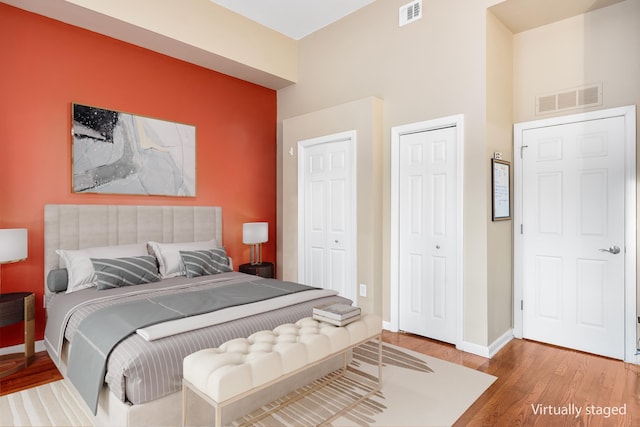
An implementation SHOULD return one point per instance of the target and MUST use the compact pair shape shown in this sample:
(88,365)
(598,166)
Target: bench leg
(184,405)
(361,399)
(186,388)
(379,362)
(218,416)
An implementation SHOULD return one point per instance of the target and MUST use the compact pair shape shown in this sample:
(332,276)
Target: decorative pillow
(57,280)
(221,260)
(204,263)
(80,269)
(117,272)
(168,255)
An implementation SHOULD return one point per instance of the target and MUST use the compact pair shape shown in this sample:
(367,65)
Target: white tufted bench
(243,366)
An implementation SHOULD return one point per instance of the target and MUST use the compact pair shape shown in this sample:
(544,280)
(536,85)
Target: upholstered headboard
(84,226)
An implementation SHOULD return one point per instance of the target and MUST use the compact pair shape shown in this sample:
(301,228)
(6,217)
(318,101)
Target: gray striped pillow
(206,262)
(117,272)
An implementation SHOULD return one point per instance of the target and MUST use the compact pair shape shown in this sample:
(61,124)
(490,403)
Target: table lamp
(13,245)
(255,234)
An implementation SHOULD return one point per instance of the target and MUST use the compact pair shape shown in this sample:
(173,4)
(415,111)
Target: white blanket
(186,324)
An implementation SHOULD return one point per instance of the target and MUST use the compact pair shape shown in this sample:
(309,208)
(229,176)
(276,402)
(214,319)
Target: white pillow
(168,255)
(79,266)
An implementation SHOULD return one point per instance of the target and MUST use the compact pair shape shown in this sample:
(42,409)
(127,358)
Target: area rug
(51,404)
(417,390)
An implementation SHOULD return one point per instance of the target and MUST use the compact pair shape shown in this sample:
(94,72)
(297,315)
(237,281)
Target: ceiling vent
(569,99)
(410,12)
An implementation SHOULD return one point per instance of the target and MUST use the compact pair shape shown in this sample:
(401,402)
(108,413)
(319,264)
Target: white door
(427,233)
(327,216)
(573,234)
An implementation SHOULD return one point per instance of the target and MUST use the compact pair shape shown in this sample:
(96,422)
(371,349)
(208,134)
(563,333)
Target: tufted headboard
(84,226)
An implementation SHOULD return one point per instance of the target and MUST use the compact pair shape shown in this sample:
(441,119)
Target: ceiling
(299,18)
(294,18)
(523,15)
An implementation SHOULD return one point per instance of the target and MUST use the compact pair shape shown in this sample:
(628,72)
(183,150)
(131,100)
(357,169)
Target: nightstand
(18,307)
(264,269)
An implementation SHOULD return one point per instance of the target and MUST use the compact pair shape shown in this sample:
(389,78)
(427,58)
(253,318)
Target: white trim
(19,348)
(456,121)
(349,136)
(490,350)
(629,114)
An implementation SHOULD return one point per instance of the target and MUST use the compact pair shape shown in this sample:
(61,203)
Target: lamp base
(255,257)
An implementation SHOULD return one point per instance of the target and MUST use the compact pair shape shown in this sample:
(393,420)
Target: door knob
(612,250)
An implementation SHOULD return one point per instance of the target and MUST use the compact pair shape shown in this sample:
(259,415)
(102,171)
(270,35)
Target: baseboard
(490,350)
(469,347)
(39,346)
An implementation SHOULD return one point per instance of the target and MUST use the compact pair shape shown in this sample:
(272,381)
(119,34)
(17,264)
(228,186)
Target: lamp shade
(13,244)
(255,232)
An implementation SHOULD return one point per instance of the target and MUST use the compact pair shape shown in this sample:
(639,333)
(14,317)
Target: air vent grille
(410,12)
(570,99)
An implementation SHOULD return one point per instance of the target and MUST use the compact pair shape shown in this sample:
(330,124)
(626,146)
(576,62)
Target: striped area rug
(417,390)
(49,405)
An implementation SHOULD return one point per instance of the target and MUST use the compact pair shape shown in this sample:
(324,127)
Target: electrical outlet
(363,290)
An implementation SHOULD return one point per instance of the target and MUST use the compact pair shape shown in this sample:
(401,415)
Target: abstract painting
(121,153)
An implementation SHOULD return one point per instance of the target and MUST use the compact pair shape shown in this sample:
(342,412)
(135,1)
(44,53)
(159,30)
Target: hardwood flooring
(534,381)
(537,380)
(41,371)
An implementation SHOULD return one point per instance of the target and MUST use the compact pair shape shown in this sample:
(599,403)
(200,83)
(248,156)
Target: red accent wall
(47,65)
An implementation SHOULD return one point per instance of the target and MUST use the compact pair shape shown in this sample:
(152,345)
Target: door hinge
(521,305)
(521,229)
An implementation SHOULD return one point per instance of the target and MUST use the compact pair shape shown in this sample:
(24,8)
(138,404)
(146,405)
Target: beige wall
(365,117)
(499,138)
(602,46)
(207,26)
(202,33)
(458,59)
(429,69)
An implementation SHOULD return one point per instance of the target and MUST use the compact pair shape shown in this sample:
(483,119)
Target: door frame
(350,137)
(629,114)
(456,121)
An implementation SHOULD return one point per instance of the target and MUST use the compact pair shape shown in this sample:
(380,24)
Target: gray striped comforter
(139,371)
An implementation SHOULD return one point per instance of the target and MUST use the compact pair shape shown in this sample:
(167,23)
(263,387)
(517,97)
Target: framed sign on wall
(500,189)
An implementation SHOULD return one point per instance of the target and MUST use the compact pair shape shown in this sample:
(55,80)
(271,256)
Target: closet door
(427,233)
(327,215)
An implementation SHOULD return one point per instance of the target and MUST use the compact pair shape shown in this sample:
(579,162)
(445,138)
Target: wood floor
(545,378)
(534,381)
(40,371)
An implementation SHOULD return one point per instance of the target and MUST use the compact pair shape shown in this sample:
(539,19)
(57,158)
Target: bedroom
(52,58)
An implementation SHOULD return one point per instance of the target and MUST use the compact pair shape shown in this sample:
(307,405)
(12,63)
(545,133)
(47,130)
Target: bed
(142,375)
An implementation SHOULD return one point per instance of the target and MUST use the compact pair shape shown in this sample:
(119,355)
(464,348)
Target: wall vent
(569,99)
(410,12)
